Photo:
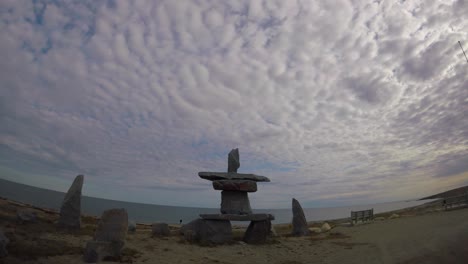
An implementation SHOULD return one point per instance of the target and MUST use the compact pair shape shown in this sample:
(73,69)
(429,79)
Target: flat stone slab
(235,217)
(215,176)
(235,185)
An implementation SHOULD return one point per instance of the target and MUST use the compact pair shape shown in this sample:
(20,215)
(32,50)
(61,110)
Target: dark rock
(299,222)
(109,238)
(160,230)
(25,216)
(70,211)
(235,203)
(96,251)
(233,160)
(257,232)
(3,244)
(236,217)
(113,226)
(208,231)
(235,185)
(215,176)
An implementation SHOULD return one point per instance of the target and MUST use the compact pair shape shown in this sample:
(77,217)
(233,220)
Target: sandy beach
(425,234)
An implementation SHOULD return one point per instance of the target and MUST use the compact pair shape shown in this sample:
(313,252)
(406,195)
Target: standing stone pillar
(299,222)
(70,211)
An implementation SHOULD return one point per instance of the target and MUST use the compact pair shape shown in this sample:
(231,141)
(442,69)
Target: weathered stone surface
(235,203)
(70,211)
(215,176)
(208,231)
(299,222)
(96,251)
(25,216)
(235,185)
(3,244)
(257,232)
(109,238)
(325,227)
(131,226)
(236,217)
(113,226)
(160,230)
(233,160)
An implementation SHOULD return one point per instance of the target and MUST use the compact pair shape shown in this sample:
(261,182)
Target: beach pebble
(70,211)
(315,229)
(160,230)
(325,227)
(26,216)
(299,222)
(393,216)
(3,243)
(131,226)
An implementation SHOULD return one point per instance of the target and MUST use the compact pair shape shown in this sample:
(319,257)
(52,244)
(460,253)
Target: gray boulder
(208,231)
(233,160)
(160,230)
(109,238)
(299,222)
(70,211)
(3,243)
(257,232)
(25,216)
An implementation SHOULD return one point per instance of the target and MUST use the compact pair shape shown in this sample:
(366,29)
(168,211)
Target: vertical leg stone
(257,232)
(233,202)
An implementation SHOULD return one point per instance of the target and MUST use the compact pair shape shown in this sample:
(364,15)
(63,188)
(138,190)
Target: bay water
(149,213)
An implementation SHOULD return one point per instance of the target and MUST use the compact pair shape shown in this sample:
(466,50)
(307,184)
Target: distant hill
(451,193)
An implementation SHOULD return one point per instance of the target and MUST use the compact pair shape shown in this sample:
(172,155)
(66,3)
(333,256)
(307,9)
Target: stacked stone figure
(235,205)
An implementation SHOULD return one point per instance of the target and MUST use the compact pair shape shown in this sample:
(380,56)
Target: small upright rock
(109,238)
(131,226)
(299,222)
(233,160)
(3,243)
(70,211)
(160,230)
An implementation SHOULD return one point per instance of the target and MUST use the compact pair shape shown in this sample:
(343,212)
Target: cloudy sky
(337,102)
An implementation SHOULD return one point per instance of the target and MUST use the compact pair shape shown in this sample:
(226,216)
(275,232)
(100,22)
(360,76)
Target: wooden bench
(365,215)
(460,200)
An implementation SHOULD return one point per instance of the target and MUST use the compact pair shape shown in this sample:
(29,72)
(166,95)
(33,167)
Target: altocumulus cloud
(337,102)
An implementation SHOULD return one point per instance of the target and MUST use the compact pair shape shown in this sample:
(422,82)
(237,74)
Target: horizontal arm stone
(214,176)
(235,185)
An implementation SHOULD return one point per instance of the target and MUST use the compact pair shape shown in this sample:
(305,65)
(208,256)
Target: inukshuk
(235,205)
